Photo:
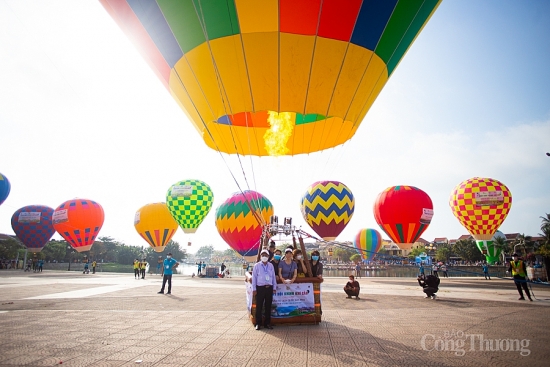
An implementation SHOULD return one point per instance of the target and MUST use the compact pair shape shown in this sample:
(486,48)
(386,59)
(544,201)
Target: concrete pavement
(106,319)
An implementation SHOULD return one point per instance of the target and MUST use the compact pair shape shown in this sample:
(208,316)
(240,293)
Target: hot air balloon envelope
(481,206)
(404,213)
(33,226)
(327,206)
(155,224)
(5,188)
(273,77)
(237,224)
(79,221)
(368,242)
(189,202)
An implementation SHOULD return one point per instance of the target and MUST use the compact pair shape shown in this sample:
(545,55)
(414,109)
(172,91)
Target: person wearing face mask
(276,261)
(519,272)
(352,288)
(316,265)
(168,265)
(300,264)
(288,269)
(271,250)
(264,285)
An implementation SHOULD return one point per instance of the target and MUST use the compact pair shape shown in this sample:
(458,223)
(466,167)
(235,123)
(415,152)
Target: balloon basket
(313,316)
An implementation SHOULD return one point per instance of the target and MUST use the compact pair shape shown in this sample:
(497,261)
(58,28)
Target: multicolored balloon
(5,188)
(481,206)
(368,242)
(317,65)
(327,206)
(33,226)
(189,202)
(79,221)
(155,224)
(238,225)
(403,213)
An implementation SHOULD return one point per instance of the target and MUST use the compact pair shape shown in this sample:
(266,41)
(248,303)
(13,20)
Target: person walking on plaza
(169,265)
(94,264)
(444,270)
(142,268)
(264,285)
(435,269)
(352,288)
(358,270)
(136,269)
(40,265)
(519,273)
(485,268)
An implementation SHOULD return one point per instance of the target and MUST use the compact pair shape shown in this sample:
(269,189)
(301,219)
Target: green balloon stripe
(238,208)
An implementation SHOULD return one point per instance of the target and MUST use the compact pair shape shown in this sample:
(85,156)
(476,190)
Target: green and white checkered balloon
(189,202)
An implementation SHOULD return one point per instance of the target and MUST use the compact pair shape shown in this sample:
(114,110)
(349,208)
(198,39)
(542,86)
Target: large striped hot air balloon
(155,224)
(273,77)
(481,206)
(189,202)
(237,224)
(33,226)
(5,188)
(327,206)
(368,242)
(79,221)
(404,213)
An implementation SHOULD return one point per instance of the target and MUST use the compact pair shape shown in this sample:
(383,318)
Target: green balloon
(189,202)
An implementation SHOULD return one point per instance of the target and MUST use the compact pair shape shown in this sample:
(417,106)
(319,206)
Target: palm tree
(545,222)
(503,245)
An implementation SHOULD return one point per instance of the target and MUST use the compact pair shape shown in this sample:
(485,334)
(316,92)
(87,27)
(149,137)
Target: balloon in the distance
(79,221)
(5,188)
(155,225)
(403,213)
(481,206)
(327,206)
(33,226)
(189,202)
(368,242)
(302,79)
(237,224)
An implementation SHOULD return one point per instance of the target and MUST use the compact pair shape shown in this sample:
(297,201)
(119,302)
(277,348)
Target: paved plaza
(111,319)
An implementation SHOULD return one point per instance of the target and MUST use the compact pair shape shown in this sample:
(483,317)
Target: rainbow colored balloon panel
(228,63)
(237,224)
(368,242)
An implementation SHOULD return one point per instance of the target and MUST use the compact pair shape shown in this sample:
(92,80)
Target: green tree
(343,254)
(205,252)
(544,248)
(415,252)
(127,254)
(355,258)
(443,253)
(9,248)
(467,250)
(55,250)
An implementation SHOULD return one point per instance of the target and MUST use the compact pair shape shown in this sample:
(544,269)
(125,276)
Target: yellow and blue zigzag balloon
(327,206)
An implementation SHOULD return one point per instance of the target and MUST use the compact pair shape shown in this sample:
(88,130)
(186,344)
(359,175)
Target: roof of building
(511,236)
(465,237)
(441,239)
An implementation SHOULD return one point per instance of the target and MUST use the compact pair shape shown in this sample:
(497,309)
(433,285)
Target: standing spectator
(435,269)
(136,269)
(288,270)
(159,265)
(352,288)
(271,249)
(169,265)
(142,267)
(86,268)
(316,265)
(199,268)
(444,270)
(275,262)
(421,269)
(485,268)
(300,264)
(358,270)
(264,285)
(519,272)
(40,265)
(94,264)
(222,268)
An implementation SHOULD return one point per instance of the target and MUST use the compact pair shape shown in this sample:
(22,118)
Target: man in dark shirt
(430,284)
(352,288)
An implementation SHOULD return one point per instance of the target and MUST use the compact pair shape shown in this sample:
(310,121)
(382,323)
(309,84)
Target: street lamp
(71,252)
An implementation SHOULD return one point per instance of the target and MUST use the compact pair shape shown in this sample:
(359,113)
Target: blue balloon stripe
(331,209)
(327,195)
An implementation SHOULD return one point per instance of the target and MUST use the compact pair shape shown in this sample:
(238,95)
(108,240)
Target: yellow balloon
(155,224)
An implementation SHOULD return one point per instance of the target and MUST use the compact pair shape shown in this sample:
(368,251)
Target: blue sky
(82,115)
